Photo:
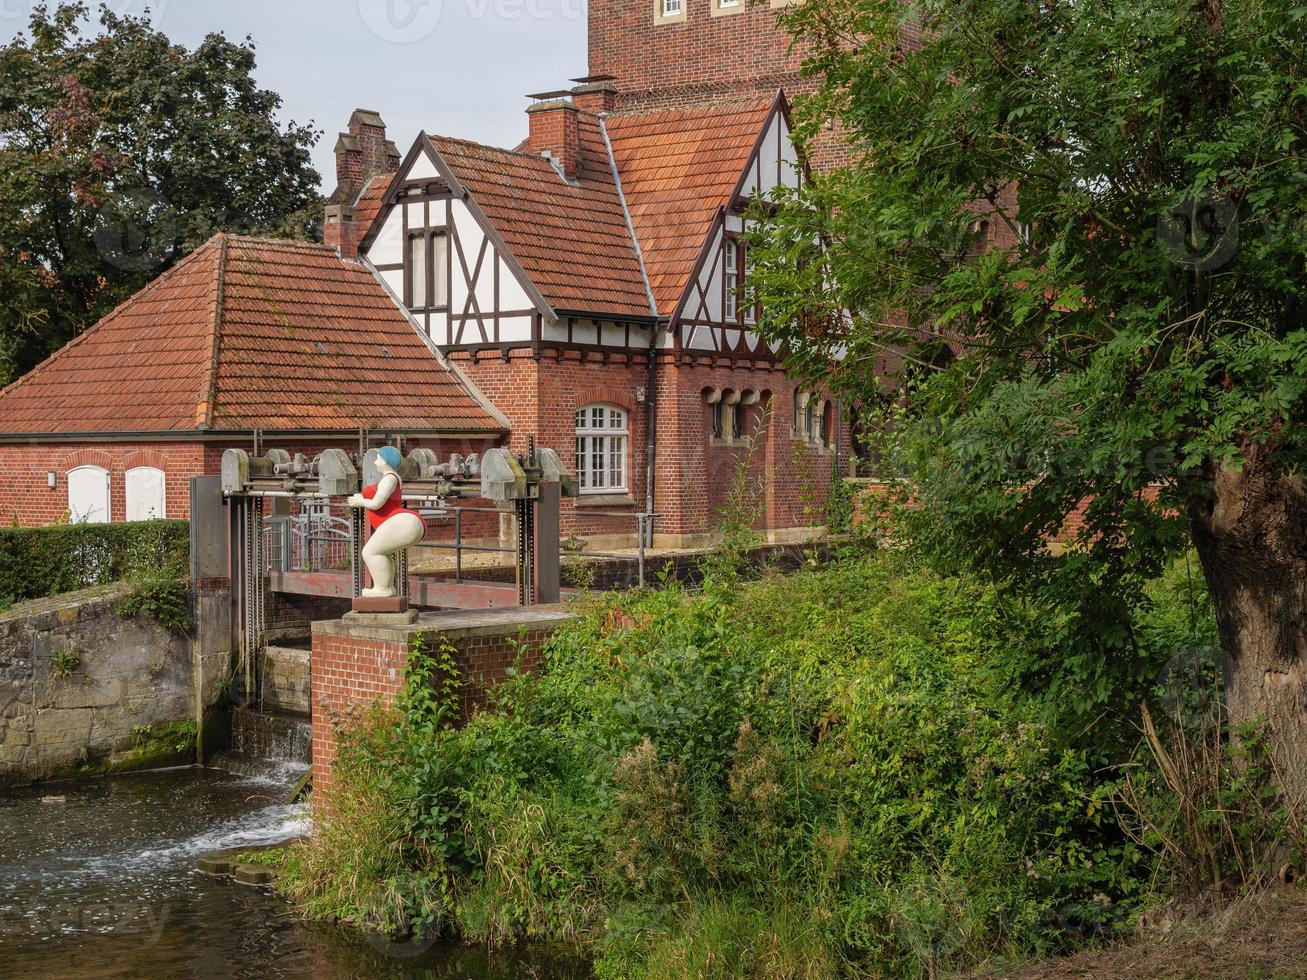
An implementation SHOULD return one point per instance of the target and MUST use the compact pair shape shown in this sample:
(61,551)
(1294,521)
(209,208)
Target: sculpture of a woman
(393,527)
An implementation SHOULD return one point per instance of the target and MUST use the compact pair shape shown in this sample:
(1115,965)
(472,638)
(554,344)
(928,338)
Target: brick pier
(354,666)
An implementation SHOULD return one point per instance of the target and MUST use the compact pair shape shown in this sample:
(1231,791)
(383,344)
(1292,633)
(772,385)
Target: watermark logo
(420,942)
(401,21)
(1199,232)
(136,232)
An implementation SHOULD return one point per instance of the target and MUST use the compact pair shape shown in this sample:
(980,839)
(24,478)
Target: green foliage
(64,664)
(839,504)
(166,600)
(741,511)
(380,856)
(828,774)
(173,737)
(120,151)
(40,562)
(1144,332)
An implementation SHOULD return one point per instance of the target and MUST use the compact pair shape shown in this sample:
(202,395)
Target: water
(103,884)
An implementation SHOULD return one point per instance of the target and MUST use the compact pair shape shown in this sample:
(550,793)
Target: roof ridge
(626,213)
(219,301)
(149,287)
(287,243)
(752,102)
(487,146)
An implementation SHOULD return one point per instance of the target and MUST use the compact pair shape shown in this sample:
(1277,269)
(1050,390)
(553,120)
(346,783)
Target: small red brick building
(244,342)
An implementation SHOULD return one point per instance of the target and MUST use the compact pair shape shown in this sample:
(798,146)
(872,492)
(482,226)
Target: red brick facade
(28,500)
(693,472)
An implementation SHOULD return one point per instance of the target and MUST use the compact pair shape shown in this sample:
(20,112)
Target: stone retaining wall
(84,691)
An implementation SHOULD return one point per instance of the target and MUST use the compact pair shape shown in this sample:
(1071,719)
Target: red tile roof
(248,333)
(678,167)
(570,238)
(369,202)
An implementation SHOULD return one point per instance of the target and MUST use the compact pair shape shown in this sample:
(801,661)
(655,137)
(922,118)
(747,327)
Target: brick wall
(27,500)
(354,668)
(348,676)
(540,394)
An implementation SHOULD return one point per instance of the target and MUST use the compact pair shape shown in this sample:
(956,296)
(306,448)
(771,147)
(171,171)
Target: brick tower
(682,53)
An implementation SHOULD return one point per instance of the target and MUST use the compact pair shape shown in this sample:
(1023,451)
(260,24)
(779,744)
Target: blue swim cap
(391,456)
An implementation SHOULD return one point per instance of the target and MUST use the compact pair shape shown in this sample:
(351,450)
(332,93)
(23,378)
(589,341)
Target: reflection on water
(103,884)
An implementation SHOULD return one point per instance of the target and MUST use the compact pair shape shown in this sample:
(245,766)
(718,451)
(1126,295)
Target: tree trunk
(1251,537)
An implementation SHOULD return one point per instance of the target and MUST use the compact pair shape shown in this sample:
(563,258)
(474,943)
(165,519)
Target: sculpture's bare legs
(400,532)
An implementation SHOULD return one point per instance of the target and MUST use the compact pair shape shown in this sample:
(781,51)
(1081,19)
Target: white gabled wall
(495,287)
(775,163)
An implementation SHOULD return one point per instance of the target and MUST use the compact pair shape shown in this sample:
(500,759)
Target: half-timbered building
(592,283)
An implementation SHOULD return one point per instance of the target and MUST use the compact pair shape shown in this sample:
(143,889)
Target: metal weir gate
(288,517)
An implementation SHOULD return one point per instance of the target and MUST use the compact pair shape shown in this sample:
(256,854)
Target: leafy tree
(119,152)
(1139,351)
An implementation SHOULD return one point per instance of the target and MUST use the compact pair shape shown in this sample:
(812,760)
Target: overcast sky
(454,67)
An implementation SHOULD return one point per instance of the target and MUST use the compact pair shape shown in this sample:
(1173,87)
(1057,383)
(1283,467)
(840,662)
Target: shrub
(166,600)
(825,774)
(40,562)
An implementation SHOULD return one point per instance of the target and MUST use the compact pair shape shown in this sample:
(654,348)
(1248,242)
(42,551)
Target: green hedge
(46,561)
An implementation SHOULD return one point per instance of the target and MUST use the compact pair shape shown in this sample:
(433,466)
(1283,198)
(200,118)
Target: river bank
(858,769)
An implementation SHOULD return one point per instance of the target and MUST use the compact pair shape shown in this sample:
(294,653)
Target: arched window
(810,420)
(88,495)
(146,494)
(601,448)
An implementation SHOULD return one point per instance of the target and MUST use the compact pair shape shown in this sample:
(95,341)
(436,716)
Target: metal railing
(644,525)
(315,540)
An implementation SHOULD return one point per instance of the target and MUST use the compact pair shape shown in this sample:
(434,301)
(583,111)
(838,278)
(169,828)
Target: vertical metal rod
(355,547)
(639,530)
(458,544)
(401,574)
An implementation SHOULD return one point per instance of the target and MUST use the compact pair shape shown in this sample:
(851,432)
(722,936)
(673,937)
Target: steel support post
(548,547)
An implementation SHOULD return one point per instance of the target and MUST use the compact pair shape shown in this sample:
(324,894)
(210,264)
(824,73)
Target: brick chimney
(556,134)
(597,95)
(338,230)
(362,152)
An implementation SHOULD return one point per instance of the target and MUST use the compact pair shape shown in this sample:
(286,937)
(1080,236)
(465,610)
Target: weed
(65,664)
(166,600)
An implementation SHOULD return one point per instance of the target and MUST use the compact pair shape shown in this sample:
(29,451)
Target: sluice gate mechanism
(288,522)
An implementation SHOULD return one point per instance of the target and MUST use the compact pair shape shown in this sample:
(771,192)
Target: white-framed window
(427,265)
(731,274)
(672,8)
(146,494)
(88,495)
(602,438)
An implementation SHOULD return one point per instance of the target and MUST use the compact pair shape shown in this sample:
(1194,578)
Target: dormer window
(426,270)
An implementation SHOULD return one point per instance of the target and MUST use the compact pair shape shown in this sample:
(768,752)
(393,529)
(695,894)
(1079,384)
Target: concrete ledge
(455,625)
